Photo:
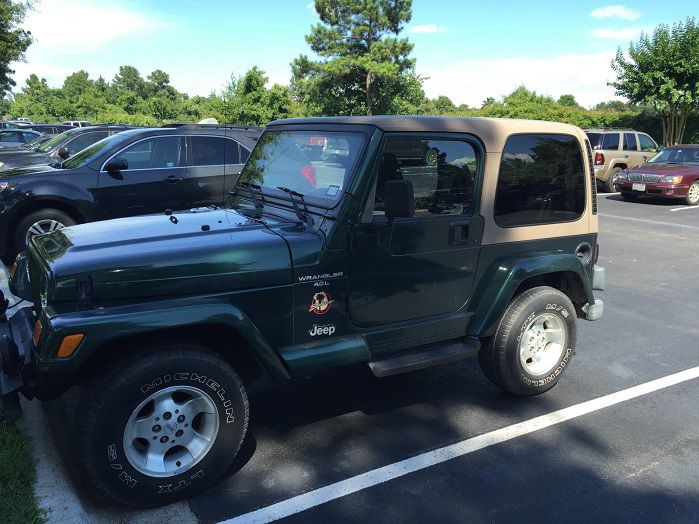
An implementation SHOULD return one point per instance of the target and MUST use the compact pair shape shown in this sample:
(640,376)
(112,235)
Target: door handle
(458,233)
(172,179)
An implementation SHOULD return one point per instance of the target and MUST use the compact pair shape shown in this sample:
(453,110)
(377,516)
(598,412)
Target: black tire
(20,233)
(109,401)
(692,201)
(631,197)
(500,358)
(609,184)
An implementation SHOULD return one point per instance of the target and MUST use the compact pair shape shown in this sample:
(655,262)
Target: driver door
(154,181)
(421,266)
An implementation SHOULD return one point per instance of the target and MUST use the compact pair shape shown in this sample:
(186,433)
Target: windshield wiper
(255,194)
(304,216)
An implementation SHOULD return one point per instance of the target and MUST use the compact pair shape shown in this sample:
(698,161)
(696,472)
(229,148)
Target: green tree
(362,58)
(247,100)
(14,40)
(76,84)
(568,101)
(662,70)
(129,79)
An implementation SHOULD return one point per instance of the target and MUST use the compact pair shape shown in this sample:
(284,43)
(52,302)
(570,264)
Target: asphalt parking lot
(619,459)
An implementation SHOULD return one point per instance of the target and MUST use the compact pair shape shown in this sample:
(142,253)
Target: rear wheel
(162,426)
(692,198)
(38,223)
(533,343)
(613,175)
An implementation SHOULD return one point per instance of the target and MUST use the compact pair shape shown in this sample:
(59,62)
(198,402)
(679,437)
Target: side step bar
(432,356)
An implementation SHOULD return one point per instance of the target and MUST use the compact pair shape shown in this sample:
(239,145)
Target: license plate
(638,187)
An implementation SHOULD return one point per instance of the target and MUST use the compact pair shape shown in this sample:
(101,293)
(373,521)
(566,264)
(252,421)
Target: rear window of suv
(541,181)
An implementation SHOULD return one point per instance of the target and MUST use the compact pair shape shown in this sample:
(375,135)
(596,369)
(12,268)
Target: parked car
(47,129)
(672,173)
(129,173)
(617,149)
(77,123)
(13,138)
(165,319)
(59,147)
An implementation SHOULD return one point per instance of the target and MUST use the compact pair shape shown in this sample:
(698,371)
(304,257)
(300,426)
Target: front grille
(644,177)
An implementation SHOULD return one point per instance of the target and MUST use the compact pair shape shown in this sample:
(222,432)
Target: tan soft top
(492,131)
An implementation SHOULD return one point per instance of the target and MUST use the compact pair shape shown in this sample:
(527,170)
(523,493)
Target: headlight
(624,175)
(671,179)
(3,185)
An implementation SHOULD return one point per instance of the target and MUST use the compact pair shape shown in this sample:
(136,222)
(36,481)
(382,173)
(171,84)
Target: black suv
(60,147)
(134,172)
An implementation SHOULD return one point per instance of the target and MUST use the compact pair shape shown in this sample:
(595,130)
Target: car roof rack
(211,126)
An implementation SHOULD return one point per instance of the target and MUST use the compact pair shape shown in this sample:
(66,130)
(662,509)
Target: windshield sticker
(320,303)
(332,190)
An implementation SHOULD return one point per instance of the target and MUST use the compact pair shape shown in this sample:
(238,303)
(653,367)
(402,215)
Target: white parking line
(649,221)
(685,208)
(377,476)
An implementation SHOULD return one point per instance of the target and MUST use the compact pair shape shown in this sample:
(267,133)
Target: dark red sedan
(672,173)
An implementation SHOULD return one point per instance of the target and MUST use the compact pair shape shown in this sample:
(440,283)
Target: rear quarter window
(610,141)
(541,181)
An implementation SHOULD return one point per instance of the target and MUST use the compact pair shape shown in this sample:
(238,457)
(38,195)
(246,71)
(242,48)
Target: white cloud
(616,11)
(83,26)
(428,28)
(65,31)
(627,33)
(471,82)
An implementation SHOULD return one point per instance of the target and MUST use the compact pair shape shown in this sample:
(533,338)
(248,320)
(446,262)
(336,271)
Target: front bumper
(17,356)
(657,189)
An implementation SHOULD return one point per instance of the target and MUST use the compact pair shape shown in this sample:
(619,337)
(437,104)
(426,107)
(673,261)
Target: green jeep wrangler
(399,242)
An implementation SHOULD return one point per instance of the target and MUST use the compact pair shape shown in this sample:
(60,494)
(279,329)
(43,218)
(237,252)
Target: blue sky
(468,49)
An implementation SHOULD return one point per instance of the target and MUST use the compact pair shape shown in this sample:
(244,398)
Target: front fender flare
(104,326)
(506,275)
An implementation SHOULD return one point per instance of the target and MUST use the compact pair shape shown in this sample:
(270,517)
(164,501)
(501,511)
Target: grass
(17,503)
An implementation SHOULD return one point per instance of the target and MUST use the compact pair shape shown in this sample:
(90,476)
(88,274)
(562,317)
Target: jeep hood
(194,252)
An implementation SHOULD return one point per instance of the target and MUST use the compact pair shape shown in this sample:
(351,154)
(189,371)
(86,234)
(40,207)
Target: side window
(610,141)
(154,153)
(244,154)
(85,140)
(541,181)
(214,151)
(10,137)
(630,142)
(28,137)
(442,173)
(647,143)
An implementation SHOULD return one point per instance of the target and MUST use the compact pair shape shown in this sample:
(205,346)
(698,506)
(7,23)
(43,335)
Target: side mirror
(63,152)
(399,199)
(116,165)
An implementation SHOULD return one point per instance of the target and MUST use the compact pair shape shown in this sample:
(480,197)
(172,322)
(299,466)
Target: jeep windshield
(315,164)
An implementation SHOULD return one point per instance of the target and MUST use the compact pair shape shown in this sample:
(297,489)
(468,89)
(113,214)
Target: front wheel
(533,344)
(692,198)
(162,426)
(39,223)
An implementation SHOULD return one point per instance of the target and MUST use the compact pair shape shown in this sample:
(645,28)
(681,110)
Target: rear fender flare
(504,278)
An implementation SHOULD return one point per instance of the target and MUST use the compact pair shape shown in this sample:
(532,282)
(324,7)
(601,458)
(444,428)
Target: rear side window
(630,142)
(595,139)
(214,151)
(647,143)
(541,181)
(610,141)
(85,140)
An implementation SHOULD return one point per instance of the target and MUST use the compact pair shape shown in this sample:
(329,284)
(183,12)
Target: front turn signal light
(69,344)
